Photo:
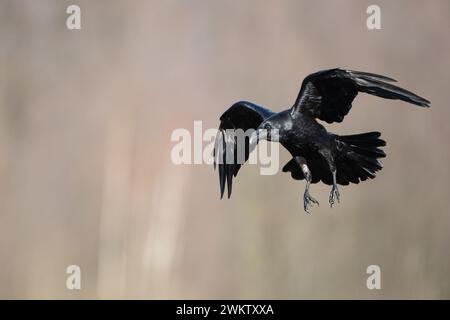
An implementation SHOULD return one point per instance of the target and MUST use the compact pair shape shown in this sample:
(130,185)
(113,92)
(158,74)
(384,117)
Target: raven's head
(268,130)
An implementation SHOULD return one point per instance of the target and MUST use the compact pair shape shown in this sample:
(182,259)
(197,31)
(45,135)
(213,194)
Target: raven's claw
(334,194)
(308,200)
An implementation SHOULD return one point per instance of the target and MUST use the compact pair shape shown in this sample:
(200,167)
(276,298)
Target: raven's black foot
(308,201)
(334,195)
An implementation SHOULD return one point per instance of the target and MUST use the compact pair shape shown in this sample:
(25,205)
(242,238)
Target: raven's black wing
(328,94)
(241,115)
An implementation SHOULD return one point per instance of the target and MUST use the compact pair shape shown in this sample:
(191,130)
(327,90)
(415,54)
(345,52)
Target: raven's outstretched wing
(241,115)
(328,94)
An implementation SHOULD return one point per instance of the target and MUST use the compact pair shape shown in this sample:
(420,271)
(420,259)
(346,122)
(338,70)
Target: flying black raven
(317,155)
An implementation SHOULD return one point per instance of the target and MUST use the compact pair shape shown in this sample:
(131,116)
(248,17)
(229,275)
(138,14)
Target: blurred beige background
(85,170)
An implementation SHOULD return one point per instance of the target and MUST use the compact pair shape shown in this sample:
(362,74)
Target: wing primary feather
(389,91)
(222,168)
(370,75)
(216,148)
(231,144)
(229,181)
(241,115)
(328,94)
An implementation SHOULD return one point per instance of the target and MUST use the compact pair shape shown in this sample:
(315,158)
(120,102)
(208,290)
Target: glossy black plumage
(241,115)
(317,154)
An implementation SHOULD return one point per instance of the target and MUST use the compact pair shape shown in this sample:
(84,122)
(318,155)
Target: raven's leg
(334,191)
(334,194)
(307,198)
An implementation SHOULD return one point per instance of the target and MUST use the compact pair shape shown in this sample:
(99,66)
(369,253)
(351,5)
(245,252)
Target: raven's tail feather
(358,159)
